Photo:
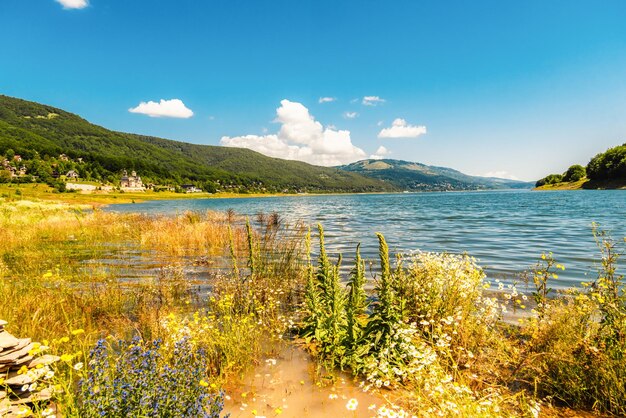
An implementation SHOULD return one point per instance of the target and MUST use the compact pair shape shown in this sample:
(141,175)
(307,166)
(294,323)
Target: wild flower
(352,404)
(141,379)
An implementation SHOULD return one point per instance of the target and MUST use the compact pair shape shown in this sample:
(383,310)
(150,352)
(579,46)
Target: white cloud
(301,138)
(372,100)
(380,153)
(500,174)
(350,115)
(173,108)
(401,129)
(326,99)
(73,4)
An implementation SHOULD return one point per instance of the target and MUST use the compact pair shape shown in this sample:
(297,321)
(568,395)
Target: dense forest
(607,169)
(41,134)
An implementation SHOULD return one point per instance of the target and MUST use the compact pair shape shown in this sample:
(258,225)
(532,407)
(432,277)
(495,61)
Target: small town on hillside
(14,170)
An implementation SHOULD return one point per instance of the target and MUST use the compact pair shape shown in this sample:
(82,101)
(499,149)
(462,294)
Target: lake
(505,230)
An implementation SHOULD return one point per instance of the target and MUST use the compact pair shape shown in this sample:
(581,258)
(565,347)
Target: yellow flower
(78,331)
(64,339)
(278,411)
(47,274)
(66,357)
(203,383)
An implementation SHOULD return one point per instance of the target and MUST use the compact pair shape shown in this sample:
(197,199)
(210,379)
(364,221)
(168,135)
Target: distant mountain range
(39,134)
(412,176)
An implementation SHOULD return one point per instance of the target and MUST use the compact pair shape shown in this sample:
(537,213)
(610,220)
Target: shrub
(575,173)
(576,344)
(550,179)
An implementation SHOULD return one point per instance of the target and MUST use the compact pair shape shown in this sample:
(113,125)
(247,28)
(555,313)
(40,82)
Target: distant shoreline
(100,199)
(584,184)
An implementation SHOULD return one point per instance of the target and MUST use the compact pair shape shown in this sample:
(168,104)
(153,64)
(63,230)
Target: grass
(38,191)
(431,334)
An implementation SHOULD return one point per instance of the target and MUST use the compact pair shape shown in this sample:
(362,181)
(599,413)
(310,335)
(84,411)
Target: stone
(20,350)
(42,395)
(5,404)
(43,360)
(3,323)
(7,340)
(23,360)
(18,380)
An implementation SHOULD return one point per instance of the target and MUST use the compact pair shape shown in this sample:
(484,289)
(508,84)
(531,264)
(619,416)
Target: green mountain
(412,176)
(39,134)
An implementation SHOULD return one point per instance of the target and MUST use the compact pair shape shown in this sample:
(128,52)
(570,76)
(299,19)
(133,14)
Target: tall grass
(47,293)
(431,330)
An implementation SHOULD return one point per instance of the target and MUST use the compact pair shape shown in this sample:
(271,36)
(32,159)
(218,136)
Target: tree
(575,173)
(549,179)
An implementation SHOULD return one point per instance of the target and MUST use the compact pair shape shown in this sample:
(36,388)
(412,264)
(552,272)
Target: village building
(63,157)
(131,182)
(72,174)
(190,188)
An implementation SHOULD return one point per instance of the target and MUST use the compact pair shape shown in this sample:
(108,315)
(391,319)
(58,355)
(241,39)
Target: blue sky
(521,89)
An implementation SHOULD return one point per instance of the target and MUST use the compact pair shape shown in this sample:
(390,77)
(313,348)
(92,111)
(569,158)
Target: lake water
(505,230)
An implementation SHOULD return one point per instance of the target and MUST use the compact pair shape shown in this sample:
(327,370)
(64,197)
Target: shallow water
(286,385)
(505,230)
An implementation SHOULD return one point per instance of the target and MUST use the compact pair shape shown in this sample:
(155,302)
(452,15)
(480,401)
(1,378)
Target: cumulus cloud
(73,4)
(372,100)
(401,129)
(350,115)
(380,153)
(173,108)
(301,138)
(500,174)
(326,99)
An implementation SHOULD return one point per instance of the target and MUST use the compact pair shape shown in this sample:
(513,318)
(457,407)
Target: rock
(18,380)
(7,340)
(5,404)
(23,360)
(14,355)
(43,360)
(43,395)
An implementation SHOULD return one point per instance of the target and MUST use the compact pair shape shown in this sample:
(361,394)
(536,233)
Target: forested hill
(40,133)
(607,170)
(420,177)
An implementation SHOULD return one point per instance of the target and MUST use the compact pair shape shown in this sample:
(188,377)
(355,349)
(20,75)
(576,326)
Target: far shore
(584,184)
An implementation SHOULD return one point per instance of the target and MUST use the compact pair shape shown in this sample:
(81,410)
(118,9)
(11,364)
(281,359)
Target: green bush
(575,173)
(550,179)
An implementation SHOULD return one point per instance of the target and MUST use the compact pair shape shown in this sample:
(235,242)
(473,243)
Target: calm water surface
(505,230)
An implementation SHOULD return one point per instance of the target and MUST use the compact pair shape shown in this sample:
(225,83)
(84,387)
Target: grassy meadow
(431,337)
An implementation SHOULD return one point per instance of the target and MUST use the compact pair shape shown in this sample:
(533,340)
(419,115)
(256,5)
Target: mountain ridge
(413,176)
